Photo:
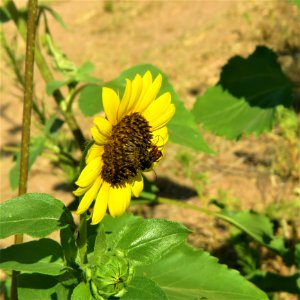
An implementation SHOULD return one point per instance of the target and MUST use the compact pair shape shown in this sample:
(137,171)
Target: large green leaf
(41,287)
(36,286)
(144,241)
(252,89)
(82,291)
(144,288)
(257,226)
(230,117)
(43,256)
(271,282)
(35,214)
(190,274)
(90,101)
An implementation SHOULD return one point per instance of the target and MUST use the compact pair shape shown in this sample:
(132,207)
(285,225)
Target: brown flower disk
(128,150)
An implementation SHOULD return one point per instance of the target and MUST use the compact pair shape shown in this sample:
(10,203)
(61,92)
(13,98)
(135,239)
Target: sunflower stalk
(47,75)
(27,105)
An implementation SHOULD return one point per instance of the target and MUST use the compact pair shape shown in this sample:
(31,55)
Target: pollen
(127,149)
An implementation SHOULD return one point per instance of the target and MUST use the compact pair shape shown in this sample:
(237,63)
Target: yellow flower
(129,141)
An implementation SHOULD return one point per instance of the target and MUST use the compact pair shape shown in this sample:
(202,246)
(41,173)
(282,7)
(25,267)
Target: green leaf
(190,274)
(254,86)
(144,288)
(54,85)
(54,14)
(144,241)
(100,242)
(35,150)
(257,226)
(90,100)
(297,255)
(270,282)
(35,214)
(4,15)
(227,116)
(83,73)
(82,291)
(43,256)
(68,244)
(258,78)
(37,287)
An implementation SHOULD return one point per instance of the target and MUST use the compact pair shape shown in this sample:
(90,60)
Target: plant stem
(27,105)
(47,75)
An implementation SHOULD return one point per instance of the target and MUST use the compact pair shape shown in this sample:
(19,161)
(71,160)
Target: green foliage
(35,214)
(189,274)
(24,257)
(246,98)
(258,226)
(90,100)
(143,240)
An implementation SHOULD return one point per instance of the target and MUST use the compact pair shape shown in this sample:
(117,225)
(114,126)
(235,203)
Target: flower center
(128,150)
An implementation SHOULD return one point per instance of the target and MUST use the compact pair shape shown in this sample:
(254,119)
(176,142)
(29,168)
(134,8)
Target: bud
(110,275)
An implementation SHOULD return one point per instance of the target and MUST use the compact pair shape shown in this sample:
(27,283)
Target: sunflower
(129,141)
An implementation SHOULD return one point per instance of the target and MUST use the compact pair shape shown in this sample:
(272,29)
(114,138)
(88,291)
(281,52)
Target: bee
(153,155)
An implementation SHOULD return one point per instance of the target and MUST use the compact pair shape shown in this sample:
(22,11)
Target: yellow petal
(160,137)
(101,203)
(136,89)
(162,119)
(138,185)
(89,196)
(146,84)
(103,126)
(119,199)
(125,100)
(149,95)
(98,137)
(111,103)
(94,152)
(90,172)
(80,191)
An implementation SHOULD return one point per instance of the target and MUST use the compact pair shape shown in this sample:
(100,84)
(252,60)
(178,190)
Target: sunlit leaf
(82,291)
(189,274)
(54,14)
(54,85)
(257,226)
(144,241)
(246,98)
(43,256)
(35,214)
(144,288)
(90,101)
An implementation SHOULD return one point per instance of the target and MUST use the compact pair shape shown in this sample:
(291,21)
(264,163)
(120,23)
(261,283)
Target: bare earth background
(189,41)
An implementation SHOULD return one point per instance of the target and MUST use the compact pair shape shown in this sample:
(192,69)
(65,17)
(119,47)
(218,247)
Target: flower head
(129,141)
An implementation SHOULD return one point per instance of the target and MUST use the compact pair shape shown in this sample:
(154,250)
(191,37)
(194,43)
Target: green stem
(29,69)
(47,75)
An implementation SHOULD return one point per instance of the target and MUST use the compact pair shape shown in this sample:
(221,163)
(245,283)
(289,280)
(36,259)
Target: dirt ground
(190,41)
